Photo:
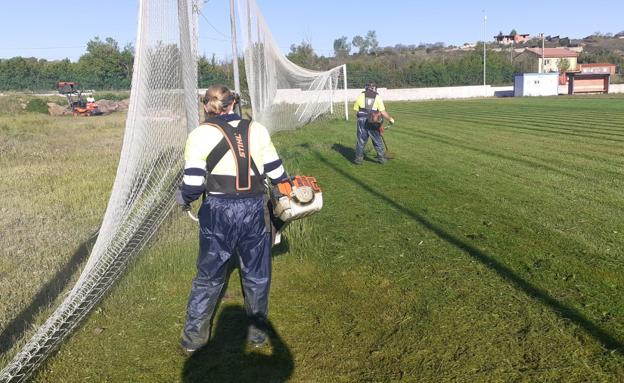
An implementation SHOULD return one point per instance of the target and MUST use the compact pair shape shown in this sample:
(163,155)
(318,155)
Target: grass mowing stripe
(444,140)
(563,116)
(498,116)
(515,126)
(600,189)
(537,162)
(547,149)
(600,153)
(537,179)
(528,107)
(565,113)
(582,126)
(564,125)
(567,312)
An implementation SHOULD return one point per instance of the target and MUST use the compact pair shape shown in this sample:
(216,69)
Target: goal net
(284,95)
(163,109)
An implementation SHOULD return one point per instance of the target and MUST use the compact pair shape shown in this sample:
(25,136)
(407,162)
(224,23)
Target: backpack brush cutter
(377,119)
(291,200)
(296,198)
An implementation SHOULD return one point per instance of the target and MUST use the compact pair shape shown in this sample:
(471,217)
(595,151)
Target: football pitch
(490,249)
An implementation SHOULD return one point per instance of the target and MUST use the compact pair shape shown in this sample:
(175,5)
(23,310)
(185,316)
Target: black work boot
(256,337)
(257,332)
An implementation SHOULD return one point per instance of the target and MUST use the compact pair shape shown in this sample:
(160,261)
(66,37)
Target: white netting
(163,109)
(284,95)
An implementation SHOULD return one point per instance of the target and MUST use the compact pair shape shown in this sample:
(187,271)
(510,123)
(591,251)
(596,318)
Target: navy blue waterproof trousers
(228,226)
(362,138)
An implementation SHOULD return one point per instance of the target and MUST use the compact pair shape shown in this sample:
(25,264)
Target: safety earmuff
(232,98)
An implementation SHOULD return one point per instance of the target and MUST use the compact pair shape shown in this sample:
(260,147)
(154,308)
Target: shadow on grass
(14,331)
(566,312)
(228,358)
(349,153)
(282,248)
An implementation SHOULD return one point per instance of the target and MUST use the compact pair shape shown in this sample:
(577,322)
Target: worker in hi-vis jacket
(227,159)
(367,104)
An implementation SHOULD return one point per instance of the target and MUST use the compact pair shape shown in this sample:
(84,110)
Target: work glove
(185,206)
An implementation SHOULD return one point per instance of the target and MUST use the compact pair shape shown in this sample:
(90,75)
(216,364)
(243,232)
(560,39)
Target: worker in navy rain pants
(367,102)
(228,158)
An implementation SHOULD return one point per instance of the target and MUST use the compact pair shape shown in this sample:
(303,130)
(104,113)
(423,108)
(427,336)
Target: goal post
(285,96)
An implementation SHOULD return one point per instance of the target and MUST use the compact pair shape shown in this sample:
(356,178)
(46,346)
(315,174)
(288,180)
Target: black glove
(185,206)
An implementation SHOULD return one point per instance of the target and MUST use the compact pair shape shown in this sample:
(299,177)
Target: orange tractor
(78,105)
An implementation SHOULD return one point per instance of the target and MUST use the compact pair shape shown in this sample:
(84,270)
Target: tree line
(104,66)
(107,66)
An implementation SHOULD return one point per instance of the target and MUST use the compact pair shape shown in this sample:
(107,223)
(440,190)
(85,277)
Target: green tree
(563,65)
(361,44)
(211,72)
(366,44)
(342,48)
(104,66)
(373,43)
(302,54)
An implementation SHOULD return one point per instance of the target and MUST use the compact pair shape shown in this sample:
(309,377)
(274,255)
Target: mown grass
(489,250)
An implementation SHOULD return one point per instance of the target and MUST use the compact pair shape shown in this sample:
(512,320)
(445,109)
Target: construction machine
(77,103)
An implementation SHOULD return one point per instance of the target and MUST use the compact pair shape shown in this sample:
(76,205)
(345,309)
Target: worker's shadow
(228,357)
(349,153)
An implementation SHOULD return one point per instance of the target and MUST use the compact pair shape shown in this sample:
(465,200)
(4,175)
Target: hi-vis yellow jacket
(204,147)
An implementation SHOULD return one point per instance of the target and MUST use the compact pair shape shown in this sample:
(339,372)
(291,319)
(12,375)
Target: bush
(37,105)
(10,105)
(119,96)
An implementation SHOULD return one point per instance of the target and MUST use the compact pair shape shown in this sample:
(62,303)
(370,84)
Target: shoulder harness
(236,140)
(369,103)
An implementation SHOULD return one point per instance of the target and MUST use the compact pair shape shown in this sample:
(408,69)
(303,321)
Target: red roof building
(550,53)
(553,59)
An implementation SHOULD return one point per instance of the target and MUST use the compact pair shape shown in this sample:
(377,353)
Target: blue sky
(59,29)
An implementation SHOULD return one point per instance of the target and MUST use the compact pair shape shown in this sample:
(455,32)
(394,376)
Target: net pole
(331,96)
(346,96)
(234,48)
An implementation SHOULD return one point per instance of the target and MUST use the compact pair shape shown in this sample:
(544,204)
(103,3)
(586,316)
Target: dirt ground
(105,106)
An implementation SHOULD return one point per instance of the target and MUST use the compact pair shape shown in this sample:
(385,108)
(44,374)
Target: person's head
(371,86)
(218,100)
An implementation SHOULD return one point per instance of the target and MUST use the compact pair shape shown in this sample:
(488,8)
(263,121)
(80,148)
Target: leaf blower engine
(294,199)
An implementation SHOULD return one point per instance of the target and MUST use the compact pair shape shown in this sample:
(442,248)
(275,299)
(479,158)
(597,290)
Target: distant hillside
(428,65)
(105,65)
